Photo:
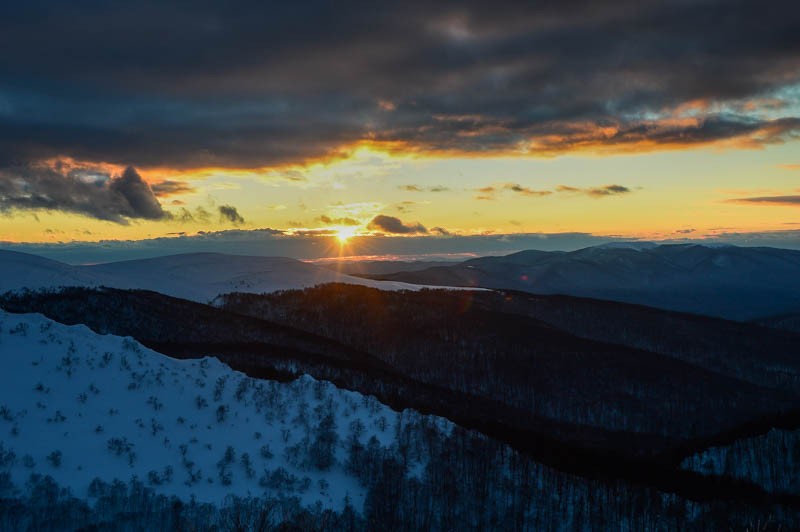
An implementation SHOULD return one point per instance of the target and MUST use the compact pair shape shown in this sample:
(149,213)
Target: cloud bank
(190,84)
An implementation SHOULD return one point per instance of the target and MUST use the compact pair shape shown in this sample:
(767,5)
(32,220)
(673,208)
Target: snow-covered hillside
(196,276)
(78,406)
(203,276)
(771,460)
(23,270)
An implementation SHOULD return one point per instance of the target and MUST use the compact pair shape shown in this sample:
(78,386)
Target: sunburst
(343,234)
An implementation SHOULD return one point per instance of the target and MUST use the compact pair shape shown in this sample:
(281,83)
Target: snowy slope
(114,409)
(196,276)
(23,270)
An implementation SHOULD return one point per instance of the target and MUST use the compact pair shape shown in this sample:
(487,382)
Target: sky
(416,128)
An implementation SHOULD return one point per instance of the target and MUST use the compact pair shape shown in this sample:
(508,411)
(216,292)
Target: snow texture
(78,406)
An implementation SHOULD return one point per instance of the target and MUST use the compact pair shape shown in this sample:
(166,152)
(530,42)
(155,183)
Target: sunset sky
(432,122)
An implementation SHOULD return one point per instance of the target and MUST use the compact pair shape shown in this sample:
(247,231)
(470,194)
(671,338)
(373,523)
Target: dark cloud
(308,233)
(202,214)
(116,199)
(392,225)
(184,215)
(137,194)
(228,213)
(171,188)
(248,84)
(96,194)
(609,190)
(338,221)
(595,192)
(770,200)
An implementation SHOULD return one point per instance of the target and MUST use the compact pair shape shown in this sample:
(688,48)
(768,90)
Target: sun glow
(343,234)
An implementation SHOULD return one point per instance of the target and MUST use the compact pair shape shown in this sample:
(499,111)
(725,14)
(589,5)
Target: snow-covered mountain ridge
(79,406)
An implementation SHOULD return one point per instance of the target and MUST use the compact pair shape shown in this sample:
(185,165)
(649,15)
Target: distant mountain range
(195,276)
(740,283)
(730,282)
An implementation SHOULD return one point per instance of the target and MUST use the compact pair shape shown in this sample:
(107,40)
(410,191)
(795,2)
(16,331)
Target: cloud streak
(420,188)
(344,220)
(793,201)
(595,192)
(490,192)
(170,187)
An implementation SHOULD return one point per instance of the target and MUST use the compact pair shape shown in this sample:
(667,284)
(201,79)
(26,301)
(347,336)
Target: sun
(343,234)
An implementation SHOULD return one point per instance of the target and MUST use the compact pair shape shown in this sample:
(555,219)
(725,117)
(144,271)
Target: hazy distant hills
(725,281)
(738,283)
(23,270)
(195,276)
